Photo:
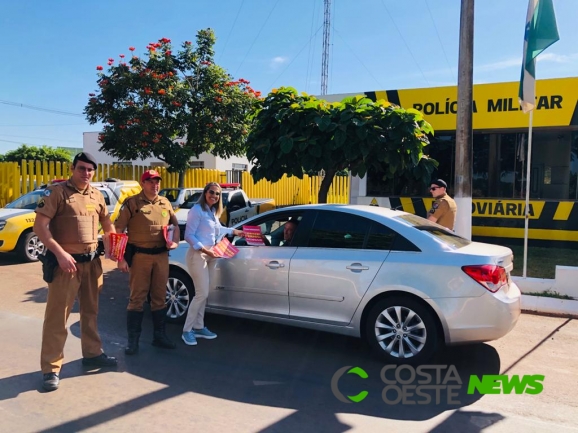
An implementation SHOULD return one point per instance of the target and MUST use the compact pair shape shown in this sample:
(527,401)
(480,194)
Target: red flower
(100,137)
(91,94)
(188,42)
(162,92)
(109,63)
(131,48)
(121,56)
(171,74)
(111,60)
(145,133)
(99,68)
(168,53)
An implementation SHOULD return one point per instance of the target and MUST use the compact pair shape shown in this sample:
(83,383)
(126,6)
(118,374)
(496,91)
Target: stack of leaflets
(253,235)
(225,249)
(168,232)
(115,245)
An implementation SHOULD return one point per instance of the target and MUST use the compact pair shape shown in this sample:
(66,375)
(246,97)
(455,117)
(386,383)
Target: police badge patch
(164,213)
(41,203)
(47,192)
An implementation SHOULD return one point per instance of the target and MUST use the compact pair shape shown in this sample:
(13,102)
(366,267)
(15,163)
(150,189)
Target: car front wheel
(180,293)
(29,247)
(401,330)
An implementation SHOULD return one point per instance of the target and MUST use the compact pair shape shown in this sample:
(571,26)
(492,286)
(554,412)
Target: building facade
(500,145)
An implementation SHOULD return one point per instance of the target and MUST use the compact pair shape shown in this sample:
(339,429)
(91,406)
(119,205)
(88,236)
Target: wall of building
(91,145)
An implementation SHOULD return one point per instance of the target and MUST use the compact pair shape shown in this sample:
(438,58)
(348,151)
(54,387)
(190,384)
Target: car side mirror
(249,203)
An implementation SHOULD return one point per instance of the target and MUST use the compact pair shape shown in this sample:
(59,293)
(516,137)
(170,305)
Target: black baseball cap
(85,157)
(439,182)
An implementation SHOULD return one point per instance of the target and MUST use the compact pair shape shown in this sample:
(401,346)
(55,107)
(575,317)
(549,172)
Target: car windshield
(27,201)
(170,193)
(196,196)
(443,235)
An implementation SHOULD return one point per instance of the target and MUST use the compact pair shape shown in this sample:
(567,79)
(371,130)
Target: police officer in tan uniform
(444,209)
(143,216)
(67,222)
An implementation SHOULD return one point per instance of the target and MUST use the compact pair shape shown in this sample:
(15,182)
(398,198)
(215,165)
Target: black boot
(160,339)
(133,327)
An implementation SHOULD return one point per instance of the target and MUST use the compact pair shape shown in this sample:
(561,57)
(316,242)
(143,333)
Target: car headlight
(2,224)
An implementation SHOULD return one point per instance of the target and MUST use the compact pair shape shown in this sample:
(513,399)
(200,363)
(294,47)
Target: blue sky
(52,48)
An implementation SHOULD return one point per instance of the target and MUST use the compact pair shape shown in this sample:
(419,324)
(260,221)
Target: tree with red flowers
(173,106)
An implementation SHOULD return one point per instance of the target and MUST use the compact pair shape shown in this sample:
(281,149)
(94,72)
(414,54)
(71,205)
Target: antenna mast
(325,61)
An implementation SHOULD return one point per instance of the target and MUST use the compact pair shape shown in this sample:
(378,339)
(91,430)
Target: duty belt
(83,258)
(142,250)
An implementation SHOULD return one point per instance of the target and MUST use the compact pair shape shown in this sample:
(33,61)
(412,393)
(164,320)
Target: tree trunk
(325,184)
(182,179)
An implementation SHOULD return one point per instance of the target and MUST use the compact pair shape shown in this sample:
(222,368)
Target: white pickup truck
(238,207)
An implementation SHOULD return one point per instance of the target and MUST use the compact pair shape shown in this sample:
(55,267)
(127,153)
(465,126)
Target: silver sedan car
(406,285)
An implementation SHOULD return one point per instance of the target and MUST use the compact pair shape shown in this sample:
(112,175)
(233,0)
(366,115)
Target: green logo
(335,381)
(503,384)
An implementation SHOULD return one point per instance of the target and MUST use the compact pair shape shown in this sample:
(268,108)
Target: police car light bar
(230,185)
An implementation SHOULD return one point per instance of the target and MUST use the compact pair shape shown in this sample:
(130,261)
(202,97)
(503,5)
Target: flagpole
(528,169)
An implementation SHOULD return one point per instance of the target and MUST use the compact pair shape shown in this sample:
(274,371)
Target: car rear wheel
(180,293)
(29,247)
(402,330)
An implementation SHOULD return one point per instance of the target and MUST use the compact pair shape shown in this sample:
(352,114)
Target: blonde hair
(218,207)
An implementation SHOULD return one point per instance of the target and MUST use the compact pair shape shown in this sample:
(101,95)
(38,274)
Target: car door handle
(275,265)
(357,267)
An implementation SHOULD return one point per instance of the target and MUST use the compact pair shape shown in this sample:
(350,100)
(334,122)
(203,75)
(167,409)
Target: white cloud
(557,58)
(278,61)
(502,64)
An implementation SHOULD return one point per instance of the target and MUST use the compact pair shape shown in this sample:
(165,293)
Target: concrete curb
(546,304)
(550,306)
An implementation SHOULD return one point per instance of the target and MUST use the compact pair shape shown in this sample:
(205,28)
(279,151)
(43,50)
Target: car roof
(352,208)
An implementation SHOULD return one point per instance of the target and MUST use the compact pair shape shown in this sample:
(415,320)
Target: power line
(405,43)
(309,55)
(34,107)
(38,138)
(232,27)
(440,40)
(11,125)
(257,37)
(358,58)
(294,58)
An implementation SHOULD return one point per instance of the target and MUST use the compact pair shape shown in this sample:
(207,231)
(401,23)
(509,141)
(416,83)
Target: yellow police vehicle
(17,218)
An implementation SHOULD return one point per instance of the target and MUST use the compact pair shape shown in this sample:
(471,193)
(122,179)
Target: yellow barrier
(19,179)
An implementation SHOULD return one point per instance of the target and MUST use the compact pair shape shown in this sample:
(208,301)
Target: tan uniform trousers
(199,265)
(85,283)
(149,272)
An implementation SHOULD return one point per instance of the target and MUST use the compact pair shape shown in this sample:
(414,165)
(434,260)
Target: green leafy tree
(295,133)
(33,153)
(173,106)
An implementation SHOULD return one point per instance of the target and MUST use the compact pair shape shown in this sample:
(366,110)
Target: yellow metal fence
(18,179)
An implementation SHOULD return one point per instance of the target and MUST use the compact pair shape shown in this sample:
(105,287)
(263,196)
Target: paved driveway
(261,378)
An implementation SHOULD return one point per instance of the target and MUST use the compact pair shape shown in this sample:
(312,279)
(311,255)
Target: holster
(49,265)
(129,252)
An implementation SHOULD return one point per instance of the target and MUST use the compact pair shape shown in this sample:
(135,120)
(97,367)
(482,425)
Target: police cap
(85,157)
(439,182)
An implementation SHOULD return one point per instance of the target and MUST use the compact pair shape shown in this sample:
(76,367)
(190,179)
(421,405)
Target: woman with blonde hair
(202,231)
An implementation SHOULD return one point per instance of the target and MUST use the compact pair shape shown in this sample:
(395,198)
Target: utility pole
(464,132)
(325,59)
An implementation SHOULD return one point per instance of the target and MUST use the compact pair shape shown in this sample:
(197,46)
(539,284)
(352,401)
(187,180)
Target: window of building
(240,167)
(197,164)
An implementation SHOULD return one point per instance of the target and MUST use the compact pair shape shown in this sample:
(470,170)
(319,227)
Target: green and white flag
(541,32)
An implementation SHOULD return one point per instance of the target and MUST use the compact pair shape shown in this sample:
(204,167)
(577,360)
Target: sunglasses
(213,192)
(433,188)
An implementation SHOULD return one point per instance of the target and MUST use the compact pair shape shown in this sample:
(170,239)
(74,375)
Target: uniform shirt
(74,216)
(444,209)
(203,228)
(144,220)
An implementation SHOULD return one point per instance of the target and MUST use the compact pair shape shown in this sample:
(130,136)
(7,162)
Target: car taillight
(492,277)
